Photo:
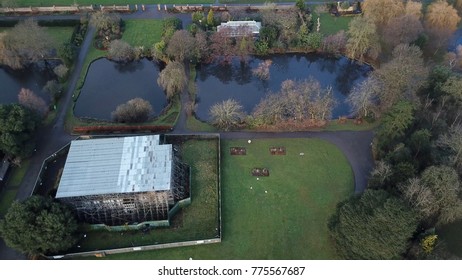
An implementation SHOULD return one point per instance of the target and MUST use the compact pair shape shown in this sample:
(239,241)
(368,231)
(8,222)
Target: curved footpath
(355,145)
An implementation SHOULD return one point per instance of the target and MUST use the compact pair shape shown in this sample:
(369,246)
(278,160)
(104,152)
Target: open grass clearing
(58,34)
(331,24)
(196,221)
(142,32)
(289,221)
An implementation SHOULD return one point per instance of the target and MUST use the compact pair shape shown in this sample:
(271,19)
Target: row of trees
(415,186)
(389,23)
(297,101)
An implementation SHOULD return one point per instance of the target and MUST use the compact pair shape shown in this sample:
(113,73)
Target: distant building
(124,181)
(240,28)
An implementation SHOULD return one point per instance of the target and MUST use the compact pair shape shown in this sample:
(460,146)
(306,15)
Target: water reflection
(217,82)
(109,84)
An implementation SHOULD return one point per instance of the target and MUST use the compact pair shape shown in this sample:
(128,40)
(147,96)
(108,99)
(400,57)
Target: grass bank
(283,216)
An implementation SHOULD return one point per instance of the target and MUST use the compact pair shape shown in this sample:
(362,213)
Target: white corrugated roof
(240,27)
(116,165)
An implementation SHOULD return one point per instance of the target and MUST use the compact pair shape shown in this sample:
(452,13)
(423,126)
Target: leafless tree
(134,111)
(28,99)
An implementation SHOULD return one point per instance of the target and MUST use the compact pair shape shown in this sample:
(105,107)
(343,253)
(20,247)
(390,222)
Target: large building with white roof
(123,181)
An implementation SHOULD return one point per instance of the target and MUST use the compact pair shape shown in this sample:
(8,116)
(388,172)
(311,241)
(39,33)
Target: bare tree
(134,111)
(227,114)
(121,51)
(402,30)
(222,45)
(23,44)
(262,71)
(202,52)
(453,142)
(335,43)
(402,76)
(181,46)
(436,194)
(381,11)
(28,99)
(173,78)
(363,98)
(61,71)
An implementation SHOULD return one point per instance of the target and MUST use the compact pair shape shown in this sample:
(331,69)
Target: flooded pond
(33,78)
(216,82)
(109,84)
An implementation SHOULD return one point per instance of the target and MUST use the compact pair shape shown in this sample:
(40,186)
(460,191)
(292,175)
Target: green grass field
(142,32)
(60,35)
(331,24)
(34,3)
(287,222)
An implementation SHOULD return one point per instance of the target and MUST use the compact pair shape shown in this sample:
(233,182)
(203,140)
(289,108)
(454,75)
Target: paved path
(355,145)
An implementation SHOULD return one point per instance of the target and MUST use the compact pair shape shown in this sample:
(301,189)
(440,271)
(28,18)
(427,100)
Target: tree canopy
(375,225)
(25,43)
(17,126)
(38,226)
(173,78)
(362,39)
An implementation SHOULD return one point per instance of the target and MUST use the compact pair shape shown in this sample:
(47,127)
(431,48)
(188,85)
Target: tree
(54,89)
(227,114)
(108,26)
(67,53)
(201,52)
(441,21)
(30,100)
(380,175)
(24,44)
(402,76)
(172,79)
(39,226)
(442,16)
(413,8)
(17,126)
(396,121)
(210,18)
(375,225)
(363,98)
(404,29)
(121,51)
(381,11)
(452,142)
(362,39)
(134,111)
(335,43)
(181,46)
(436,195)
(222,45)
(61,71)
(300,4)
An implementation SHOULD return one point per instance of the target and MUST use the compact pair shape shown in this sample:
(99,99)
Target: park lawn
(331,24)
(196,221)
(35,3)
(287,222)
(142,32)
(60,35)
